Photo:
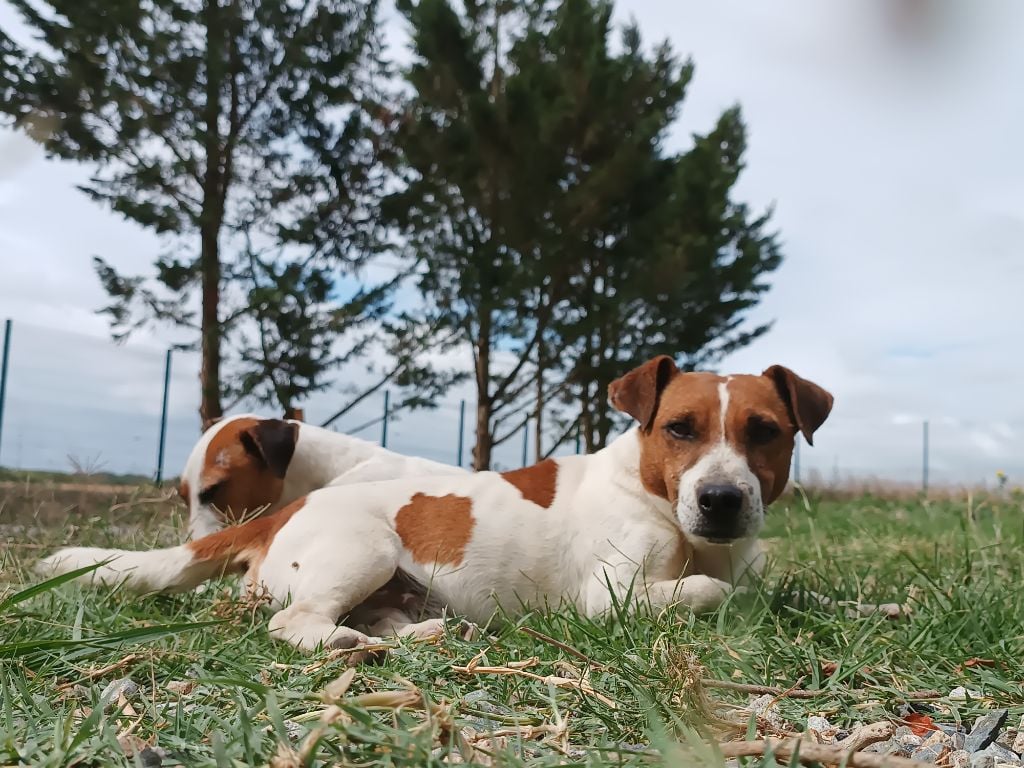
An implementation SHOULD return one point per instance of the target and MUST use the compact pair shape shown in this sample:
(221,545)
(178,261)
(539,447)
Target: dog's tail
(174,569)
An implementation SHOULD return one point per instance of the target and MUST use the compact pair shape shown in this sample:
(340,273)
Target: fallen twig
(867,735)
(782,693)
(558,644)
(519,668)
(92,675)
(808,753)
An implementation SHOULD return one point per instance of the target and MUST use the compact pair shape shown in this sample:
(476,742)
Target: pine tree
(223,126)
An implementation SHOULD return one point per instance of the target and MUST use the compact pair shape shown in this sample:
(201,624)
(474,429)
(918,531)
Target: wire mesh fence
(81,404)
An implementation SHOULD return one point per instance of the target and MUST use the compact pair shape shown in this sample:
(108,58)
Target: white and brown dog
(668,513)
(244,466)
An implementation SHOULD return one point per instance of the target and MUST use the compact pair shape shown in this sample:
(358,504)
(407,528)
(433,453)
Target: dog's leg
(699,593)
(397,624)
(308,624)
(327,580)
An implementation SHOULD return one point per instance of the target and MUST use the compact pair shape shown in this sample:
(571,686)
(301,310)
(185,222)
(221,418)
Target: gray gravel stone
(961,758)
(1002,754)
(1018,743)
(151,757)
(124,686)
(985,730)
(929,753)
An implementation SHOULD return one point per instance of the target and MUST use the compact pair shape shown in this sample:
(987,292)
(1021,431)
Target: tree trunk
(538,414)
(211,219)
(484,438)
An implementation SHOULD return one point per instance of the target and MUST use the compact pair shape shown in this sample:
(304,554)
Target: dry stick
(782,693)
(519,668)
(867,735)
(102,670)
(808,752)
(558,644)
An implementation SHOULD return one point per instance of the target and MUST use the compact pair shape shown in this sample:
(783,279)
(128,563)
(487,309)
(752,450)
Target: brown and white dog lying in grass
(668,513)
(245,466)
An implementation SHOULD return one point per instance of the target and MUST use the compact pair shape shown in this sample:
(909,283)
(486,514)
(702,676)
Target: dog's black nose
(720,500)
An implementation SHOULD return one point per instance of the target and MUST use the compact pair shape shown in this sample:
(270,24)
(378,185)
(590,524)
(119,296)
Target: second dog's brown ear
(809,405)
(638,391)
(272,441)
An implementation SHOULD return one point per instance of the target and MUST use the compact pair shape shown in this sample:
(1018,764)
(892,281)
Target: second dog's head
(718,448)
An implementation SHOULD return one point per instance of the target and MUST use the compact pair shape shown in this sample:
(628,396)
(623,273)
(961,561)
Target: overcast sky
(884,132)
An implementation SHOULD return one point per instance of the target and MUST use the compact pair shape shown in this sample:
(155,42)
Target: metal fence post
(163,420)
(384,423)
(924,459)
(3,373)
(462,427)
(526,440)
(796,459)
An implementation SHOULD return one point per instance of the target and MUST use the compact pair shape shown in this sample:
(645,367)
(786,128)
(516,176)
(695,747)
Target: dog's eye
(682,430)
(760,431)
(206,495)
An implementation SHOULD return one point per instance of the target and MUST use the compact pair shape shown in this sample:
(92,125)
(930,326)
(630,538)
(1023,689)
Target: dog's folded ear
(638,391)
(272,441)
(809,405)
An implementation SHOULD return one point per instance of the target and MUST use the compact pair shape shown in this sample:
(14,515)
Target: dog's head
(237,467)
(718,448)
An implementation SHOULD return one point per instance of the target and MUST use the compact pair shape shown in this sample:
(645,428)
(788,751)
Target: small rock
(764,707)
(818,723)
(882,747)
(955,733)
(294,730)
(985,730)
(1018,743)
(930,753)
(475,696)
(982,760)
(909,740)
(151,757)
(961,758)
(937,737)
(962,694)
(124,686)
(825,731)
(182,687)
(1001,754)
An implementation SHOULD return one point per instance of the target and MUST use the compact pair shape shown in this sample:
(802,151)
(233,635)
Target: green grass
(214,690)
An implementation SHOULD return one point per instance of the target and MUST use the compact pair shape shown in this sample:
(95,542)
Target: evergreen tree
(223,126)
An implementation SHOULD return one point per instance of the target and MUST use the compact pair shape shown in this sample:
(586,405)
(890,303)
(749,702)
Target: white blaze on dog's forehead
(723,405)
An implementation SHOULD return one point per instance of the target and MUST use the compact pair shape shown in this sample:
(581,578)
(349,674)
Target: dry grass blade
(809,753)
(781,693)
(95,673)
(560,645)
(579,683)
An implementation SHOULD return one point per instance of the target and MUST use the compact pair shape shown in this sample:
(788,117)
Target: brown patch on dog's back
(536,483)
(436,529)
(245,544)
